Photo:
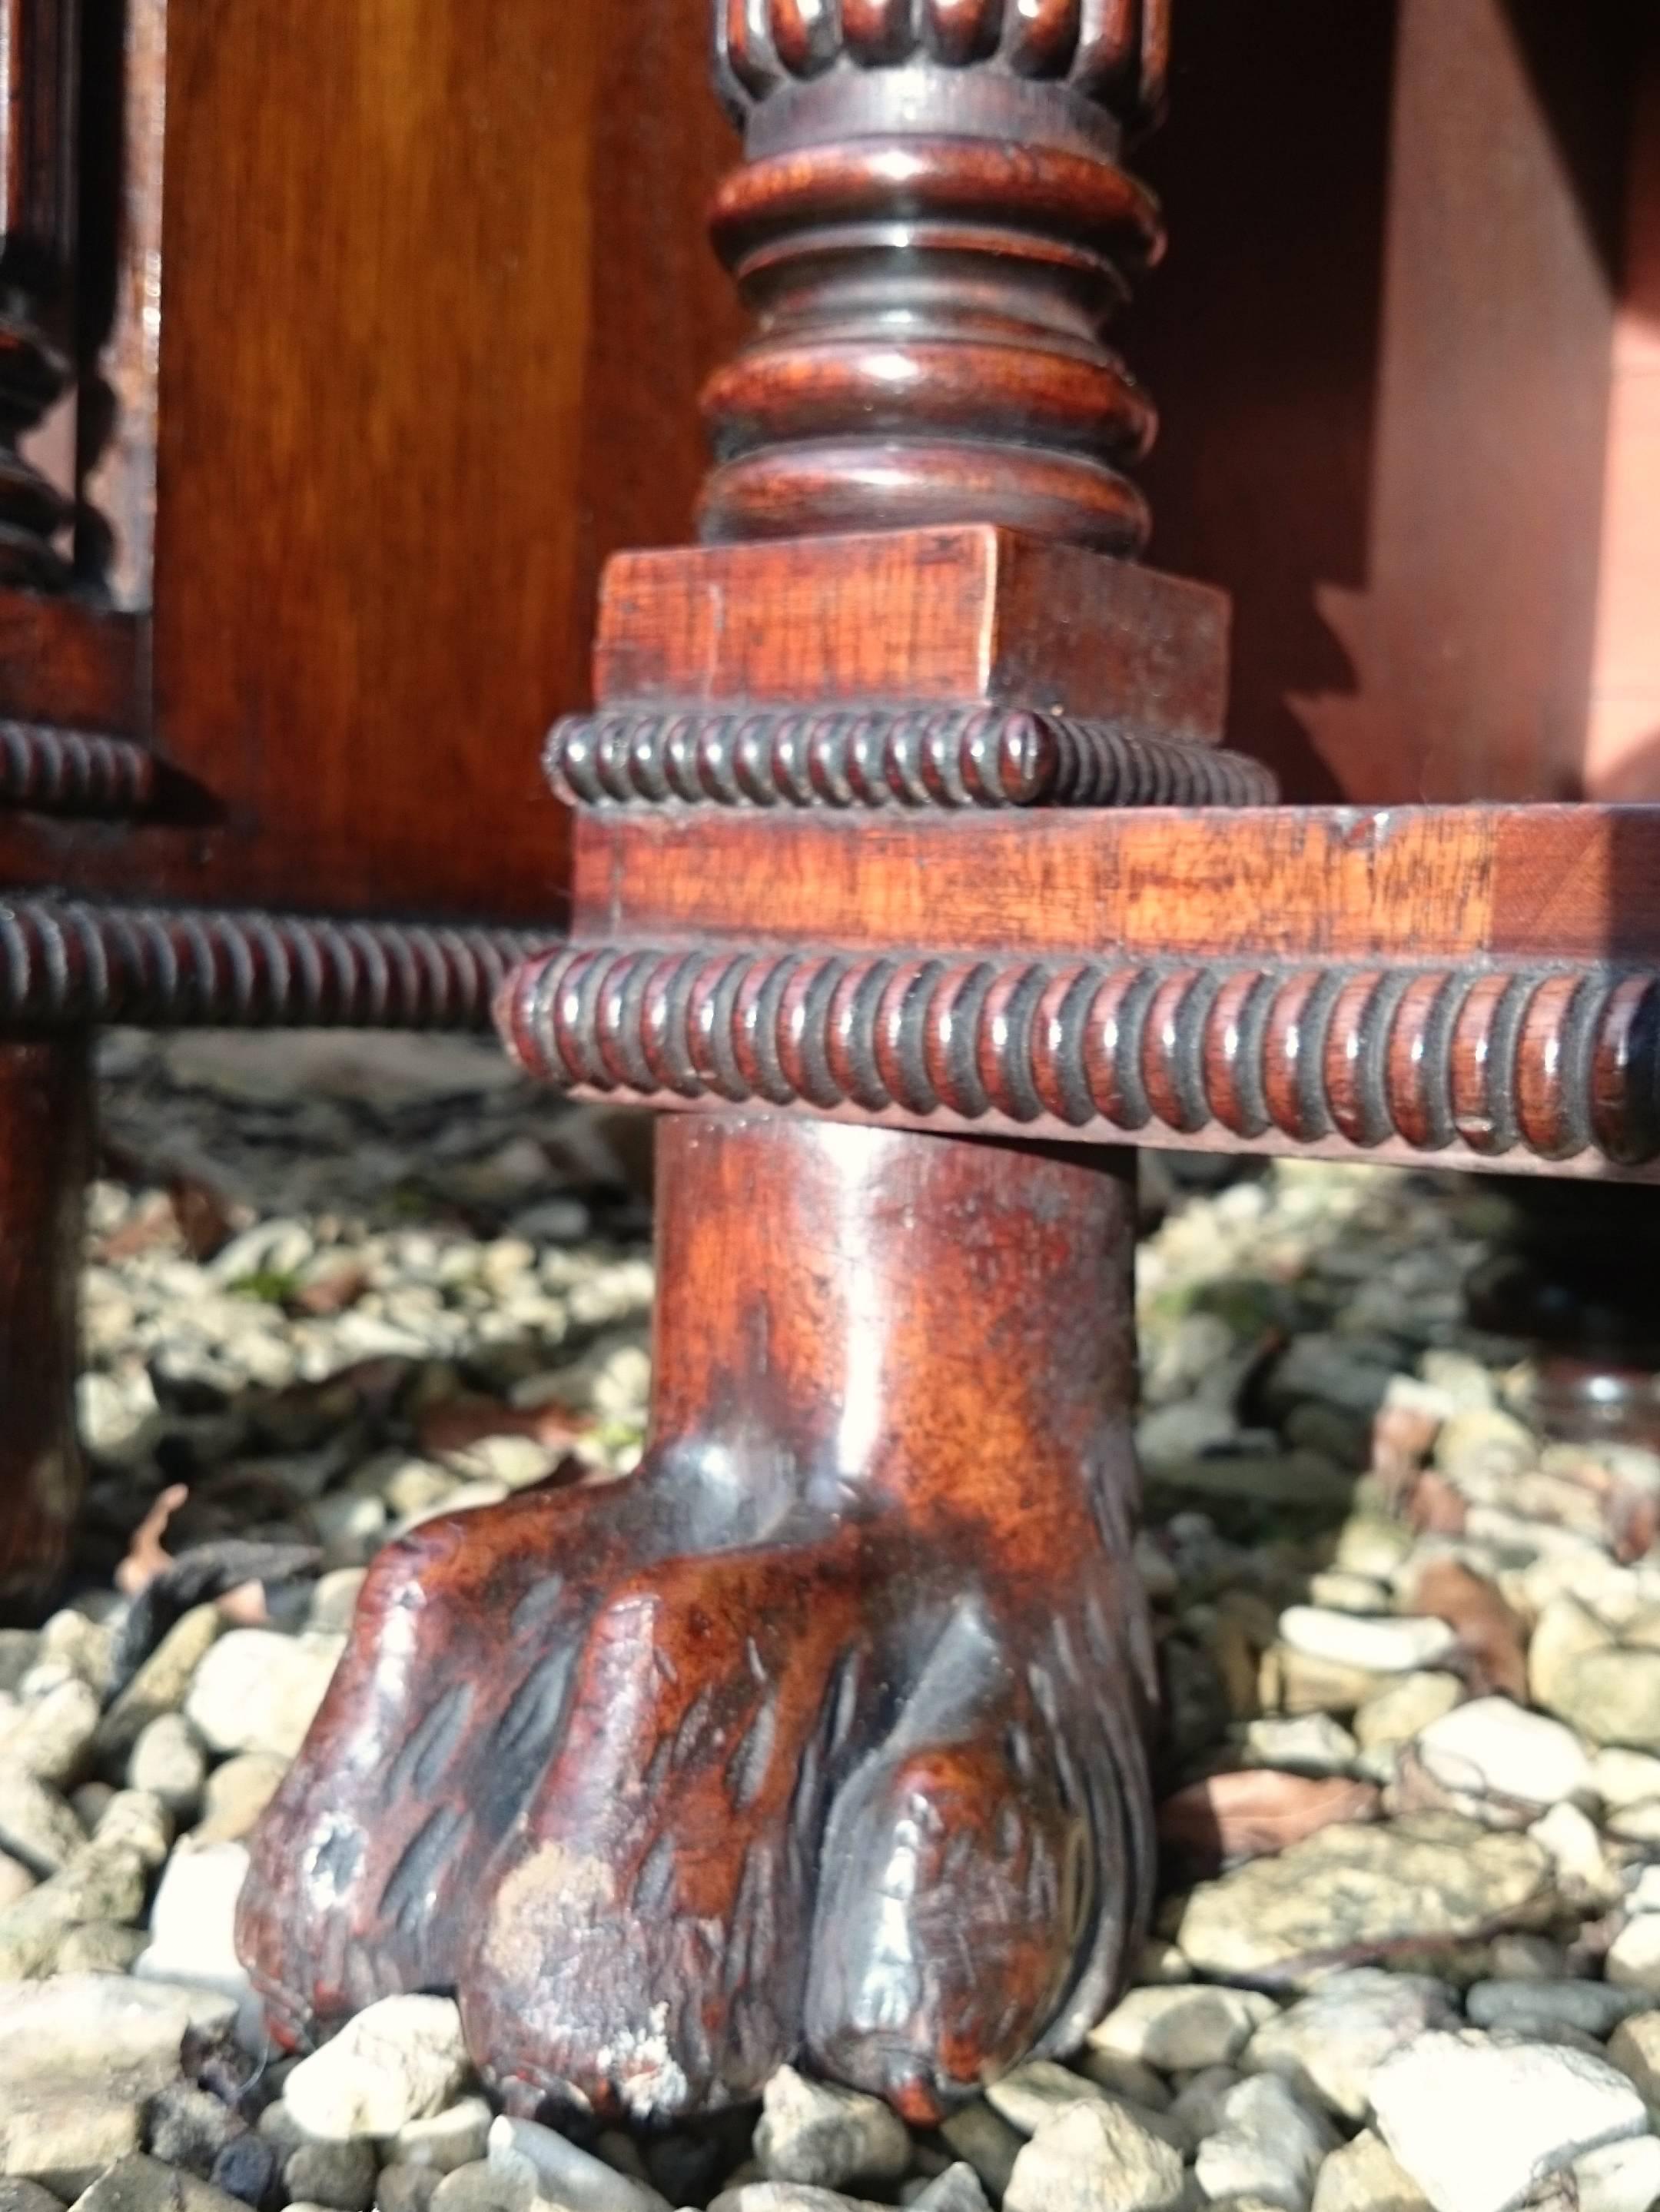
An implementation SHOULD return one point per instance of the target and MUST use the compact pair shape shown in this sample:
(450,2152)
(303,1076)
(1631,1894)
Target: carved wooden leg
(682,1778)
(46,1157)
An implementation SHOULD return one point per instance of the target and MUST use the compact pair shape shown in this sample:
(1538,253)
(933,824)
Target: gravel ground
(1409,1948)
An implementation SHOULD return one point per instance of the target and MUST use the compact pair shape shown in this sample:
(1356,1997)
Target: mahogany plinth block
(972,614)
(45,1159)
(821,1735)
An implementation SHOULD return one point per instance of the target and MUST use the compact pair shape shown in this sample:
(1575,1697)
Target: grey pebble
(340,2174)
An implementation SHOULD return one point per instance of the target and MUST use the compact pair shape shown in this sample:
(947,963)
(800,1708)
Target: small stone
(66,2139)
(188,2127)
(1482,1444)
(1583,1875)
(166,1759)
(1366,2176)
(1379,1647)
(1313,1744)
(17,2195)
(259,1691)
(1330,2044)
(338,2174)
(986,2140)
(1622,2177)
(1625,1777)
(406,2188)
(809,2131)
(1368,1545)
(1095,2158)
(234,1796)
(138,2184)
(81,1643)
(1612,1697)
(82,2029)
(1634,2047)
(1478,2124)
(51,1738)
(1292,1681)
(135,1820)
(250,2169)
(89,1802)
(477,2187)
(1565,1632)
(1404,1708)
(1533,2007)
(956,2189)
(100,1947)
(36,1826)
(1197,2110)
(1339,1591)
(160,1683)
(96,1884)
(1491,1747)
(786,2196)
(1636,1824)
(1515,1957)
(1429,1876)
(401,2060)
(1126,2077)
(1031,2095)
(459,2136)
(1184,2027)
(533,2157)
(334,1601)
(1270,2146)
(192,1927)
(1634,1958)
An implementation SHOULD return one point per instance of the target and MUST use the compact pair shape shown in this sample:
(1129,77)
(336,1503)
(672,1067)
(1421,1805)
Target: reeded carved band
(69,963)
(883,756)
(1546,1060)
(64,772)
(1116,49)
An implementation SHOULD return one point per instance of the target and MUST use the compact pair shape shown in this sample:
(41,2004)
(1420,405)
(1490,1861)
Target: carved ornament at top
(1114,52)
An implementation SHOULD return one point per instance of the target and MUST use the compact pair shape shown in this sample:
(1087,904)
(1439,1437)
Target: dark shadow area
(1260,337)
(1380,349)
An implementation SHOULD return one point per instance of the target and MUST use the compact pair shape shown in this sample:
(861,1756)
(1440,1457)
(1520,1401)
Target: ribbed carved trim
(1114,51)
(1547,1060)
(65,772)
(65,962)
(883,756)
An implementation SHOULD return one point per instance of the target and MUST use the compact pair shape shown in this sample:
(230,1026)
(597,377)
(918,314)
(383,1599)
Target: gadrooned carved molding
(67,961)
(1546,1061)
(1113,50)
(66,772)
(870,756)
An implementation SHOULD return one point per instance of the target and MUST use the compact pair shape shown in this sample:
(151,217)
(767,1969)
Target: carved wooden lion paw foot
(665,1824)
(818,1737)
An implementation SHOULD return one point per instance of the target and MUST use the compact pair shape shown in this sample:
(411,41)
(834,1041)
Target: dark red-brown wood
(680,1778)
(46,1157)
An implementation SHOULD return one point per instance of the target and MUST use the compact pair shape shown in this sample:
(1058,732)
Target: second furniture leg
(45,1159)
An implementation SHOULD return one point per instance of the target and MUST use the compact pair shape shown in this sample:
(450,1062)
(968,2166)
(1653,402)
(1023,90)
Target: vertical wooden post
(45,1158)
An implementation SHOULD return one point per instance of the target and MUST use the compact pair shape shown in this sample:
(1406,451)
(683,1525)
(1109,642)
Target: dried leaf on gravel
(1229,1817)
(147,1556)
(1491,1636)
